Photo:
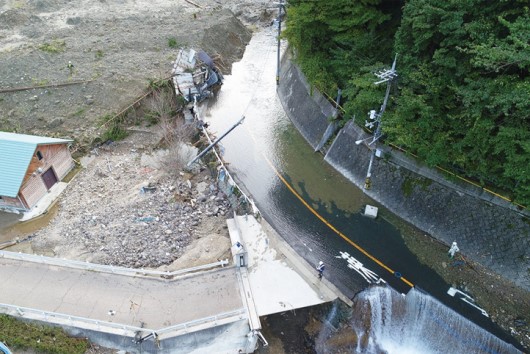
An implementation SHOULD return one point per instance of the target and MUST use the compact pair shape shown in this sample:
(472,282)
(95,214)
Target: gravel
(113,47)
(120,211)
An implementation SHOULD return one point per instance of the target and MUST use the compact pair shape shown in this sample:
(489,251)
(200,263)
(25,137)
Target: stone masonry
(488,230)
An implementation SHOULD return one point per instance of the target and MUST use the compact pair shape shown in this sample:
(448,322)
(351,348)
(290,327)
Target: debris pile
(119,211)
(195,75)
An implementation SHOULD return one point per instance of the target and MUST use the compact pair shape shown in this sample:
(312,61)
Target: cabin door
(49,178)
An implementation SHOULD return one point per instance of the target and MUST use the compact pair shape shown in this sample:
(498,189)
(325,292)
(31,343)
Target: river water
(314,208)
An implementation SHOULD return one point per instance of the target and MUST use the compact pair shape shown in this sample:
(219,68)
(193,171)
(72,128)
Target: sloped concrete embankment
(488,230)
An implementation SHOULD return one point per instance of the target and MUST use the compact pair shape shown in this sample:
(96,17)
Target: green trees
(462,100)
(334,38)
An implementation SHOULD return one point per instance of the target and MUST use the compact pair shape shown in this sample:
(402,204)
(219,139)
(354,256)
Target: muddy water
(7,220)
(272,160)
(11,229)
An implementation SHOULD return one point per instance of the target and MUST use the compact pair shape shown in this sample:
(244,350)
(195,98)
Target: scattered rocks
(55,123)
(115,221)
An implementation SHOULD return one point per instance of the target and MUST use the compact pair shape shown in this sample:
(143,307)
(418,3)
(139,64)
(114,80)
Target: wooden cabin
(29,167)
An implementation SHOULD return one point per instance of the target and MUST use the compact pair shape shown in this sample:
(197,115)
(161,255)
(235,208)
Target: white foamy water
(417,323)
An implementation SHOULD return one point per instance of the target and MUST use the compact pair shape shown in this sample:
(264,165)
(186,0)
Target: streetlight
(374,139)
(279,20)
(387,76)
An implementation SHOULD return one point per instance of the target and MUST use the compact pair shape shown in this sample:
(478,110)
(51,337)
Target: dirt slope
(118,46)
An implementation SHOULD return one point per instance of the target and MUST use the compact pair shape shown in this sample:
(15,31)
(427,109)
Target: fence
(122,329)
(106,268)
(228,185)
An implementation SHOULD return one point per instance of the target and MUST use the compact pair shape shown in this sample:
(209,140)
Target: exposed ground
(106,215)
(115,49)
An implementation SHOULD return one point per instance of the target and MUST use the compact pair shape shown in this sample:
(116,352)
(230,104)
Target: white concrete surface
(134,301)
(371,211)
(275,284)
(45,202)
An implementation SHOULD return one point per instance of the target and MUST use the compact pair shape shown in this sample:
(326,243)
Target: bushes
(42,339)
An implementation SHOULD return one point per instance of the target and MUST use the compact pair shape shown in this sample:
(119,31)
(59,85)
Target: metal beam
(215,142)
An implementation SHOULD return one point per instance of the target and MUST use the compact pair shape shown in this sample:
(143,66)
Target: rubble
(118,211)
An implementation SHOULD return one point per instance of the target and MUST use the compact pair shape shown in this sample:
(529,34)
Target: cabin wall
(55,156)
(11,203)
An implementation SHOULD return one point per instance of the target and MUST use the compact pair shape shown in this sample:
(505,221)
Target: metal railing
(230,180)
(69,320)
(239,313)
(106,268)
(116,328)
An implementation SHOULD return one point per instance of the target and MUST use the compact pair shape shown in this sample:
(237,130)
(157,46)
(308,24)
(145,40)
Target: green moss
(410,183)
(55,46)
(39,82)
(172,42)
(407,187)
(79,112)
(115,132)
(42,339)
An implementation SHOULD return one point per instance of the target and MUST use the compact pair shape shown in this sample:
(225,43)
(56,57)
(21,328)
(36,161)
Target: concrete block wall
(308,107)
(490,232)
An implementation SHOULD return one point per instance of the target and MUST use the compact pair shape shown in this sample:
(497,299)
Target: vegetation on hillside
(462,98)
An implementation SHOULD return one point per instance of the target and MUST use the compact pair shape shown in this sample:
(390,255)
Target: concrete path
(132,301)
(279,279)
(124,302)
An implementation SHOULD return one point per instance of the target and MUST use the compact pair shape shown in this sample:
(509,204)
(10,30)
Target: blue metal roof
(16,151)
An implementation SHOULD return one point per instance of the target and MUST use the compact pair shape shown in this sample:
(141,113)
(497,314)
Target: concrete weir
(210,308)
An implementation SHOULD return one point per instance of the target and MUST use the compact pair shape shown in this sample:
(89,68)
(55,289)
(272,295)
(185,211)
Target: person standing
(320,269)
(454,248)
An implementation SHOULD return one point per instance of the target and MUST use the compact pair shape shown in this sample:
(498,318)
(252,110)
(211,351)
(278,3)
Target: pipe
(215,142)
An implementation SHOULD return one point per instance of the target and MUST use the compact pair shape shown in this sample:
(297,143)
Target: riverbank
(493,240)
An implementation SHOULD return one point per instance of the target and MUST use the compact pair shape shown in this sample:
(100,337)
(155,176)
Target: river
(316,210)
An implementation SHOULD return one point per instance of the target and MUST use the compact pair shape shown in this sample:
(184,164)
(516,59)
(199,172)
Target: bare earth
(105,216)
(115,48)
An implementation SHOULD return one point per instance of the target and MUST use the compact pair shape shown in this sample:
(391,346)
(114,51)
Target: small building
(29,167)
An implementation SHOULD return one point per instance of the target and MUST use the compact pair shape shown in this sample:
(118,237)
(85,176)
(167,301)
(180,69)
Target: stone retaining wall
(488,230)
(309,107)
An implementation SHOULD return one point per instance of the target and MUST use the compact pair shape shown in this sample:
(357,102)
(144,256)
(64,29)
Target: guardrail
(106,268)
(64,319)
(116,328)
(255,210)
(201,321)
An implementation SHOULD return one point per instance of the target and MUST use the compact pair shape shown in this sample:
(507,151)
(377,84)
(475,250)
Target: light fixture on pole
(387,76)
(374,139)
(281,6)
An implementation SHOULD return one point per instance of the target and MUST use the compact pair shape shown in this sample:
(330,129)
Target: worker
(320,269)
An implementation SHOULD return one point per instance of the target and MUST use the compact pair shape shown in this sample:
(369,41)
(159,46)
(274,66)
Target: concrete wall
(309,107)
(490,231)
(228,338)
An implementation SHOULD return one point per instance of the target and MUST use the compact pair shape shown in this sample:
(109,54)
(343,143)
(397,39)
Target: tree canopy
(462,98)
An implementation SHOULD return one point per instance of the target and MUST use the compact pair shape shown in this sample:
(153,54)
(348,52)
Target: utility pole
(387,76)
(209,147)
(279,20)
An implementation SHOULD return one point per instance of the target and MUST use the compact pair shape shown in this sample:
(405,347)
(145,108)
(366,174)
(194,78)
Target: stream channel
(279,170)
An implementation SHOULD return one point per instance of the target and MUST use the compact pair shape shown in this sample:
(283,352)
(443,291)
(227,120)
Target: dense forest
(462,98)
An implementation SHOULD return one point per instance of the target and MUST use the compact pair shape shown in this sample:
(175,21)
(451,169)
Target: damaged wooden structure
(30,166)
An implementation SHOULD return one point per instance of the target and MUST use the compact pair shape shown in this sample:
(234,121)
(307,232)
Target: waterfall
(328,327)
(388,322)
